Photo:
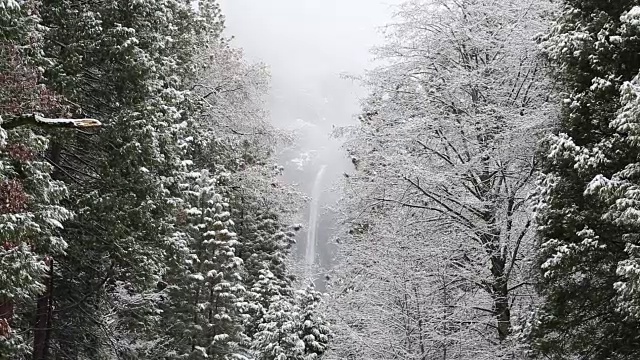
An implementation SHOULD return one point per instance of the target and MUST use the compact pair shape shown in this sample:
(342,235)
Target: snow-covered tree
(445,159)
(203,314)
(31,198)
(129,63)
(240,141)
(150,265)
(588,204)
(31,218)
(292,329)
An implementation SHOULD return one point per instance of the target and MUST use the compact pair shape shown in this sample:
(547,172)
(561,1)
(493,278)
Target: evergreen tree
(130,64)
(292,329)
(204,308)
(31,218)
(315,329)
(149,266)
(588,193)
(237,138)
(31,200)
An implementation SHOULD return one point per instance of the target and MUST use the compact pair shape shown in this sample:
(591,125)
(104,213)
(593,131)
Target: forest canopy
(492,211)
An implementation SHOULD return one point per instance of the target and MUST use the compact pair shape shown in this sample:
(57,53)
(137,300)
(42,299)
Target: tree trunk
(44,306)
(502,310)
(42,328)
(6,314)
(423,353)
(498,286)
(500,295)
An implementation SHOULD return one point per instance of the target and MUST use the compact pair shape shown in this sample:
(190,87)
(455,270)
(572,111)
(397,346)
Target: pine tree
(130,64)
(31,199)
(588,227)
(264,243)
(292,329)
(150,266)
(31,218)
(203,307)
(315,329)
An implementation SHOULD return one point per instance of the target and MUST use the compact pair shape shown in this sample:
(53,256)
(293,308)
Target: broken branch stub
(12,122)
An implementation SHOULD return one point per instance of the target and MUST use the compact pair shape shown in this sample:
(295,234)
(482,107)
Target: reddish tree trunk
(44,312)
(6,313)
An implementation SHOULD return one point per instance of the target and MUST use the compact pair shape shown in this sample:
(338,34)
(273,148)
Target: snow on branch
(12,122)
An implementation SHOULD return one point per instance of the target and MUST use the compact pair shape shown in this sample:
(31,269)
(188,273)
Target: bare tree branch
(11,122)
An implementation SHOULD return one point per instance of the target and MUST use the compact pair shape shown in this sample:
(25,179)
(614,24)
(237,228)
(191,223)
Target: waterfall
(310,254)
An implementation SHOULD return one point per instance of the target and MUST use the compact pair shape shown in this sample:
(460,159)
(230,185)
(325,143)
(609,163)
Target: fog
(308,45)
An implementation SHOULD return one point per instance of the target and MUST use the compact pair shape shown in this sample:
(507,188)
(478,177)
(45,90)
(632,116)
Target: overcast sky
(307,38)
(308,44)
